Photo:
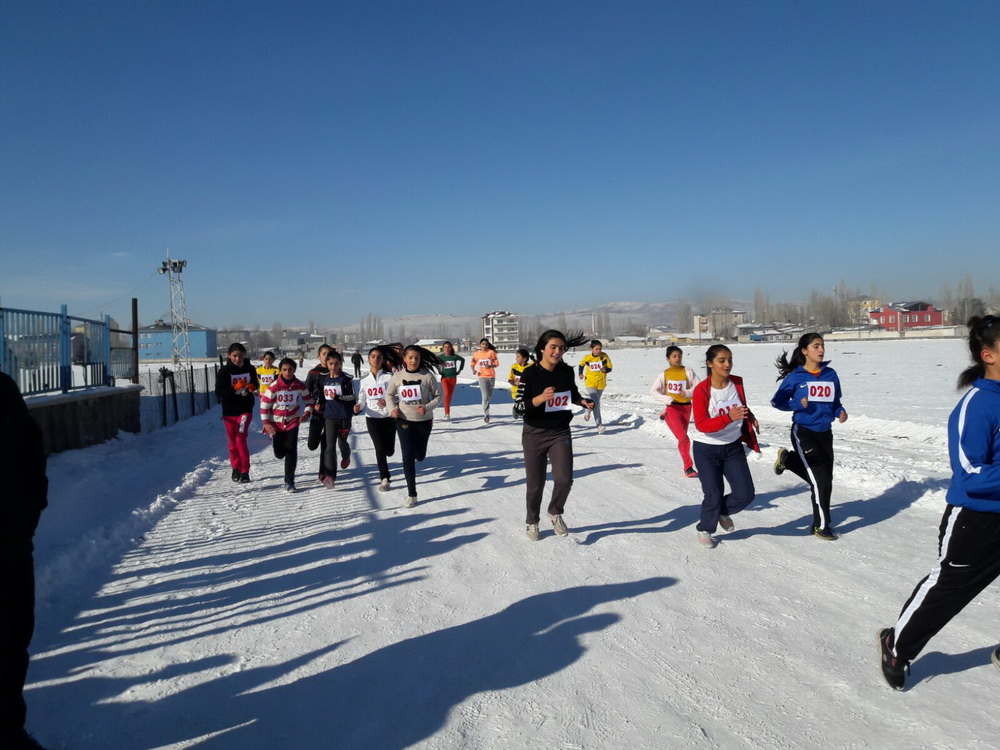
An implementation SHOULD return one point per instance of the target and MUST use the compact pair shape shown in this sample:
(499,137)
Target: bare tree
(683,318)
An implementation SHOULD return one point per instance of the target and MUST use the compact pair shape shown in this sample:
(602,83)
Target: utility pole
(178,311)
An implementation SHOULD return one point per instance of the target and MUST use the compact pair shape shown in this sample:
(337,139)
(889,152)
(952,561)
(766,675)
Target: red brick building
(899,316)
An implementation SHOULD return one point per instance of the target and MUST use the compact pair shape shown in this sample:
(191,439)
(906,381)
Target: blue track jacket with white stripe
(974,448)
(818,415)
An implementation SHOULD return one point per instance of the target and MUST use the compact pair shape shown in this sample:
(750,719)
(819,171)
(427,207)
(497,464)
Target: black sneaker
(236,475)
(245,478)
(289,487)
(894,669)
(996,657)
(825,534)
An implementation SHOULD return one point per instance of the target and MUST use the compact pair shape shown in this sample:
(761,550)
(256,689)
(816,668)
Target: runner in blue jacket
(810,389)
(969,537)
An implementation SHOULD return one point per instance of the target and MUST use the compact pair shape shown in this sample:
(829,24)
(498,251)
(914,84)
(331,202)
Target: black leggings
(339,429)
(286,446)
(317,437)
(413,437)
(811,458)
(383,434)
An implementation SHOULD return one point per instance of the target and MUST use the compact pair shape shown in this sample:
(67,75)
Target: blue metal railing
(43,354)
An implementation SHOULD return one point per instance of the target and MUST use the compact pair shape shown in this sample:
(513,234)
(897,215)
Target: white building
(503,329)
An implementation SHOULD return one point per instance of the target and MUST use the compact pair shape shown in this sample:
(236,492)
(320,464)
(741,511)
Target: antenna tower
(178,310)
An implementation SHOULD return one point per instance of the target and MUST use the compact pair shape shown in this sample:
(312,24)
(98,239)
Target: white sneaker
(383,486)
(532,532)
(586,415)
(559,525)
(600,430)
(706,540)
(411,500)
(726,523)
(447,417)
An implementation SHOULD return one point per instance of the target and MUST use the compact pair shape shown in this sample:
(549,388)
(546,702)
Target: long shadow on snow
(860,512)
(391,698)
(253,586)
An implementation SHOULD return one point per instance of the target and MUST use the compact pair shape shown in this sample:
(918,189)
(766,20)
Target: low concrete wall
(82,418)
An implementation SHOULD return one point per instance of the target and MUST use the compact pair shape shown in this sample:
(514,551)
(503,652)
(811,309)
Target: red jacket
(704,423)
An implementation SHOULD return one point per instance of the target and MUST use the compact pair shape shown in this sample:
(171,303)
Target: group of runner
(400,392)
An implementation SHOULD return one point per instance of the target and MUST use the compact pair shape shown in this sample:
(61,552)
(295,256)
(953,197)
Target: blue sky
(327,160)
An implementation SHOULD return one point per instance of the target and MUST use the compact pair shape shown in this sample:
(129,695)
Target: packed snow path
(199,613)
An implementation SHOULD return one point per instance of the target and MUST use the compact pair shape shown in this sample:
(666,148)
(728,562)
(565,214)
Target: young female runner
(810,389)
(316,437)
(484,364)
(969,537)
(674,387)
(724,424)
(335,398)
(452,366)
(411,395)
(521,361)
(549,392)
(235,386)
(286,404)
(593,371)
(371,402)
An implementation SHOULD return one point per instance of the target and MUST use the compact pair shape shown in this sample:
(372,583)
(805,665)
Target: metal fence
(39,350)
(172,395)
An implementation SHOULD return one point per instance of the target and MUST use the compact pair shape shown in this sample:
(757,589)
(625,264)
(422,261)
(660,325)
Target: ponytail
(983,334)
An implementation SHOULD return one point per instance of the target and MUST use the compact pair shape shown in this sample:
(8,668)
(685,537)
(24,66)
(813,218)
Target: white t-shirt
(719,402)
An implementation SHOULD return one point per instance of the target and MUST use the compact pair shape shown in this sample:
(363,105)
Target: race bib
(243,379)
(486,364)
(676,387)
(596,366)
(285,397)
(822,391)
(410,394)
(374,394)
(332,390)
(723,407)
(561,401)
(267,379)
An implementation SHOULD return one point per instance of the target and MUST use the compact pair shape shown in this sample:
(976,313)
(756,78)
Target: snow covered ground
(177,609)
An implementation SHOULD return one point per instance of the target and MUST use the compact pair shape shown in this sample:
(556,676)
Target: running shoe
(345,461)
(289,487)
(486,419)
(726,523)
(690,472)
(245,478)
(532,532)
(236,475)
(894,669)
(586,416)
(559,525)
(384,486)
(779,462)
(600,429)
(411,501)
(706,540)
(826,534)
(328,482)
(447,417)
